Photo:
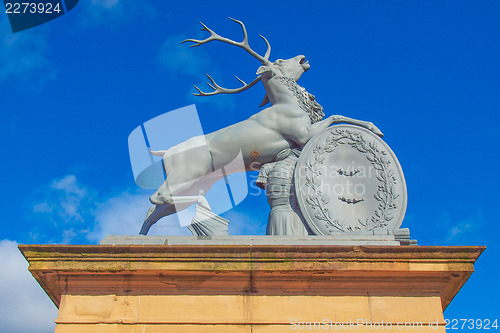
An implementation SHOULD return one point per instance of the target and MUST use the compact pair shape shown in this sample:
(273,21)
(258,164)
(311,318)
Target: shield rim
(307,219)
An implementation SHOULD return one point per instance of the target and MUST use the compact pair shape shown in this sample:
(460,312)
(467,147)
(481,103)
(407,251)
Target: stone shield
(347,179)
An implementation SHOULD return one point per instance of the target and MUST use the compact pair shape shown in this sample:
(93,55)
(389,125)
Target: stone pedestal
(249,288)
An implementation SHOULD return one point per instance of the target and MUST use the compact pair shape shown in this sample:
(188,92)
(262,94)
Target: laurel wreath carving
(386,193)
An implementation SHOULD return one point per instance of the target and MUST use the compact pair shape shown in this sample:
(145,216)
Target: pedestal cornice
(272,270)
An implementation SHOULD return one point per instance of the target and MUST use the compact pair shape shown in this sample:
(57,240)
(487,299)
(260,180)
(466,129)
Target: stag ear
(265,100)
(264,69)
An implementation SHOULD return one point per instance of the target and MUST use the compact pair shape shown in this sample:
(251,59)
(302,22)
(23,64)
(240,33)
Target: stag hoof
(150,211)
(161,199)
(375,129)
(147,221)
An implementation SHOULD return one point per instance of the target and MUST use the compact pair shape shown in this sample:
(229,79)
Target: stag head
(292,68)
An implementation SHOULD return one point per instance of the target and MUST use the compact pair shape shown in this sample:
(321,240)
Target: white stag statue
(293,118)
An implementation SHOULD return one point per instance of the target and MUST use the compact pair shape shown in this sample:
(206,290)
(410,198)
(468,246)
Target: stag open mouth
(304,64)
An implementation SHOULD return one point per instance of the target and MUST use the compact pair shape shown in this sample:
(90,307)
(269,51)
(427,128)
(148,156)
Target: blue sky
(427,73)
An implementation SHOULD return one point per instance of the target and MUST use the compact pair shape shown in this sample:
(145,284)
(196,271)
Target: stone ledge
(272,270)
(379,237)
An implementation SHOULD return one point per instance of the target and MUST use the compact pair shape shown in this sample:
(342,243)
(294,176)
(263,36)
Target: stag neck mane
(285,90)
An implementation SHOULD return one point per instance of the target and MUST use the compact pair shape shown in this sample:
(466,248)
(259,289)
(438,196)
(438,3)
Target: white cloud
(123,215)
(24,308)
(69,185)
(464,225)
(462,229)
(65,207)
(42,207)
(68,236)
(23,56)
(66,204)
(70,211)
(74,194)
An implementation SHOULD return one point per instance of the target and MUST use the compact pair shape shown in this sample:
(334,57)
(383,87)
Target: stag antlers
(244,45)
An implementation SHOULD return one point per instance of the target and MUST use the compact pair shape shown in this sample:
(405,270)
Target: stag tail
(159,153)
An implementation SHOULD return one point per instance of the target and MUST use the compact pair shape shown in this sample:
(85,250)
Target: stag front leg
(301,133)
(365,124)
(306,133)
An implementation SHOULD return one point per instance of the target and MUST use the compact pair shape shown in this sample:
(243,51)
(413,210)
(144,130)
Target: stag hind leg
(157,212)
(154,214)
(180,203)
(184,166)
